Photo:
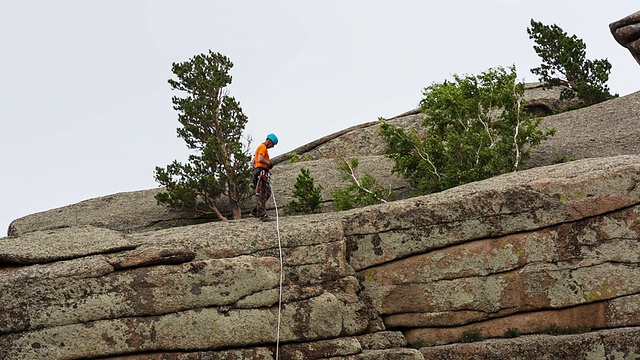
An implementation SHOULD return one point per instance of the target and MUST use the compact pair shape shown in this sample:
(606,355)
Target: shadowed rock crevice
(589,316)
(606,344)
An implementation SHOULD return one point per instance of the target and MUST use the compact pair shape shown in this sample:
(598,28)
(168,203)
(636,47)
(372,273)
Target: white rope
(281,273)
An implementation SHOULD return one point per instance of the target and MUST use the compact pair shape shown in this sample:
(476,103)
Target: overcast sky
(86,108)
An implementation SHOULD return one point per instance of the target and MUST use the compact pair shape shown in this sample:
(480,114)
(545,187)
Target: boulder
(127,211)
(66,243)
(510,203)
(609,128)
(626,31)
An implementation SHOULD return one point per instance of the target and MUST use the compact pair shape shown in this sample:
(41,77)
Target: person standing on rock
(261,176)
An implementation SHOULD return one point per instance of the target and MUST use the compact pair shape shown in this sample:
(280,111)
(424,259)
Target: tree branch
(352,174)
(424,155)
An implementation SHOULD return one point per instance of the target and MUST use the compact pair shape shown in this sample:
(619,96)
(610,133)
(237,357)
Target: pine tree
(307,196)
(212,126)
(564,62)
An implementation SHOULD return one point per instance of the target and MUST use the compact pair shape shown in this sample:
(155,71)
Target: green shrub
(295,158)
(555,329)
(475,127)
(363,191)
(512,333)
(471,335)
(419,344)
(307,196)
(560,159)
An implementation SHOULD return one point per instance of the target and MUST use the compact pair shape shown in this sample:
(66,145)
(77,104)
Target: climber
(261,177)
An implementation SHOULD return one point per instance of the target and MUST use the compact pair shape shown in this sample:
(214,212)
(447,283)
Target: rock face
(626,31)
(554,247)
(550,246)
(121,212)
(606,129)
(609,128)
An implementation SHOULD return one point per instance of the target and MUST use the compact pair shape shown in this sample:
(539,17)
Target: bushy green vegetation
(296,158)
(472,335)
(512,333)
(564,62)
(474,128)
(212,126)
(307,195)
(363,190)
(555,329)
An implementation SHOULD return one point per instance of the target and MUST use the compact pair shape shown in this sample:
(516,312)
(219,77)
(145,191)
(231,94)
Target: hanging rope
(281,273)
(264,189)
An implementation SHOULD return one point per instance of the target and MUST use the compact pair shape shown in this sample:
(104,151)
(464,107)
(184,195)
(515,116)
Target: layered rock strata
(551,246)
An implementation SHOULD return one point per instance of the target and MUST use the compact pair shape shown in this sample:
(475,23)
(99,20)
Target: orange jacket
(261,150)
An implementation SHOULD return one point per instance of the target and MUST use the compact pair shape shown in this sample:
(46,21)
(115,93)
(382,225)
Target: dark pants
(262,185)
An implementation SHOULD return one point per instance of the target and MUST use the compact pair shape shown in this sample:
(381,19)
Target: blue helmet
(273,138)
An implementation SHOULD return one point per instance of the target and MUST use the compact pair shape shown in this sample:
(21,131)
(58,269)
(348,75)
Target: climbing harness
(263,189)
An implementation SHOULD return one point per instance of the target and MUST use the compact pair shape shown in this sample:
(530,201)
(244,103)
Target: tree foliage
(307,195)
(212,126)
(475,127)
(363,190)
(564,62)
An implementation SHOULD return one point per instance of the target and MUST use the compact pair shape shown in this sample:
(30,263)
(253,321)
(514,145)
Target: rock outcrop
(607,129)
(554,247)
(626,31)
(131,211)
(549,246)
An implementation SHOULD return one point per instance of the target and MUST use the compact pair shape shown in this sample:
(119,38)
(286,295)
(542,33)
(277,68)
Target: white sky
(86,108)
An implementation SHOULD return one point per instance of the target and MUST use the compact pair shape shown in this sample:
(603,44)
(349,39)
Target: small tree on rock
(212,126)
(307,195)
(475,127)
(564,62)
(363,190)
